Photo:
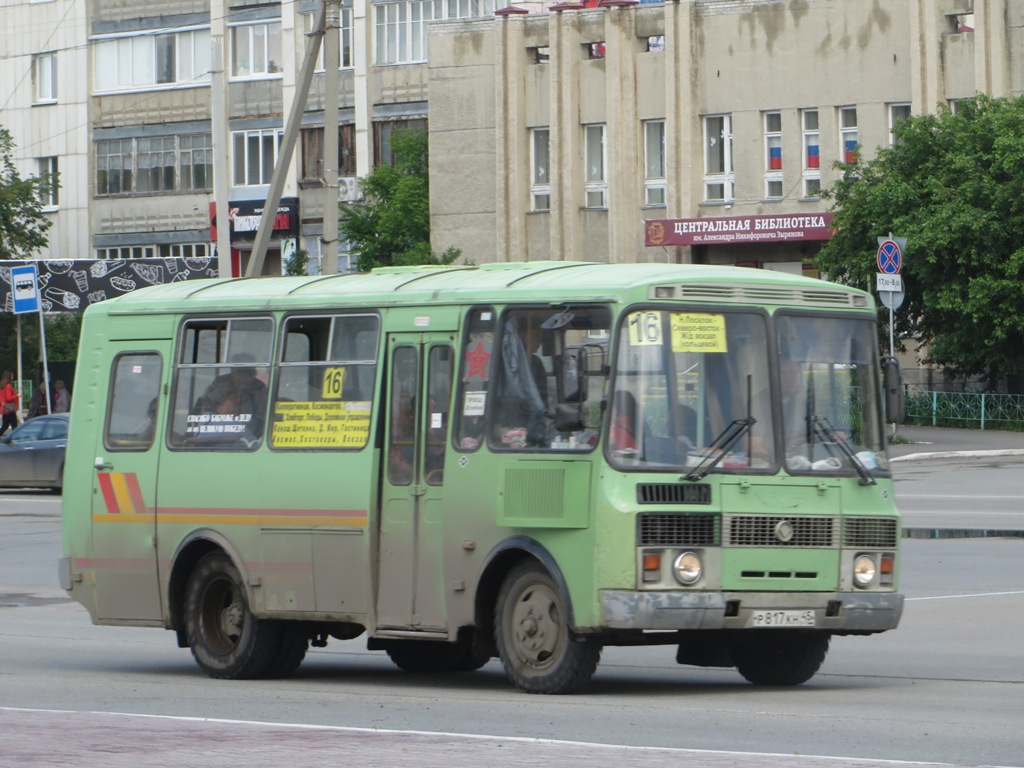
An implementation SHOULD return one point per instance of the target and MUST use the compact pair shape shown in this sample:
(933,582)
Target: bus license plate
(782,619)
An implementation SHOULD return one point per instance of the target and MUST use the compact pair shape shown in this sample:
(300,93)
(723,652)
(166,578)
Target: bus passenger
(237,393)
(403,428)
(624,415)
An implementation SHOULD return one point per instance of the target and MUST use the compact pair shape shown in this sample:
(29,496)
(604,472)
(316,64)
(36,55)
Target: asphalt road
(947,687)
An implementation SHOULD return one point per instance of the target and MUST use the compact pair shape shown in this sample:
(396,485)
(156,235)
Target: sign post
(889,284)
(25,293)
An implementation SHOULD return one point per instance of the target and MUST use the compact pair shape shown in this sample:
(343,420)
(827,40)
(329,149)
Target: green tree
(392,227)
(953,185)
(22,223)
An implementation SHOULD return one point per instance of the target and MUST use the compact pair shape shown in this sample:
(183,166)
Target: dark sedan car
(32,456)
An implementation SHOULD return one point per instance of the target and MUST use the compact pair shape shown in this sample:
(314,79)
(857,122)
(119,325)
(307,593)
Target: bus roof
(546,281)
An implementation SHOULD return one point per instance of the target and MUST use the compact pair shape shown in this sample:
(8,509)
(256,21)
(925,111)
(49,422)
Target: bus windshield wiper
(720,446)
(824,430)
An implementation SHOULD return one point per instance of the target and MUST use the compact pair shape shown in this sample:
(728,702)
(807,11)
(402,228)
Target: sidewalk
(945,442)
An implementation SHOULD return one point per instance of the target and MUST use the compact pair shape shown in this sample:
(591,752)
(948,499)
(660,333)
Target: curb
(958,454)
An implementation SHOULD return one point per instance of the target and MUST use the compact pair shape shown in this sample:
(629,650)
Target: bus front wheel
(778,657)
(535,645)
(227,641)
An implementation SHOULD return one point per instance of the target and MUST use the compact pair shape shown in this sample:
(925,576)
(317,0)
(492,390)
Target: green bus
(527,461)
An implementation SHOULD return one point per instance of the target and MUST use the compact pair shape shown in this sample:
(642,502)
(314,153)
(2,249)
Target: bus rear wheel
(227,641)
(532,633)
(778,657)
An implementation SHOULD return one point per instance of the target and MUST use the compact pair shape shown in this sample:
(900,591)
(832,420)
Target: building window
(185,251)
(344,38)
(47,168)
(897,112)
(848,134)
(313,152)
(383,130)
(127,252)
(401,27)
(595,160)
(146,166)
(718,172)
(155,165)
(44,73)
(654,162)
(114,167)
(540,163)
(147,61)
(812,153)
(256,50)
(195,162)
(254,154)
(773,155)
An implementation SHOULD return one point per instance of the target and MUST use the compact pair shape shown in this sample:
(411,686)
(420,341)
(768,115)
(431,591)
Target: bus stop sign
(25,289)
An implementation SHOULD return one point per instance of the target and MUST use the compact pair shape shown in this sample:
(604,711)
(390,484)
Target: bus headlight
(687,569)
(864,571)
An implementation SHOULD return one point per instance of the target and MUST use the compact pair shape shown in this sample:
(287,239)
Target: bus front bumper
(836,612)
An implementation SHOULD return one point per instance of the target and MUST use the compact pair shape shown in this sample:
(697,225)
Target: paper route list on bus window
(337,424)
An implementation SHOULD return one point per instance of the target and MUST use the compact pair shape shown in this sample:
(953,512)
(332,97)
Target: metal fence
(973,410)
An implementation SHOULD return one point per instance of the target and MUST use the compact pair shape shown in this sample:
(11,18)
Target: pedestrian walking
(9,400)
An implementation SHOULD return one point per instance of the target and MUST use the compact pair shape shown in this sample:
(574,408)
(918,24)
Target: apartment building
(43,104)
(690,130)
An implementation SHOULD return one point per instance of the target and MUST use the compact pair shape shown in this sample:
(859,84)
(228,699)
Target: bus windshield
(690,384)
(692,391)
(829,380)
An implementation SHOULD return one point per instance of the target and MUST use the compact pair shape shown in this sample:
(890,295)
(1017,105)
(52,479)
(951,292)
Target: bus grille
(656,529)
(779,531)
(871,532)
(673,493)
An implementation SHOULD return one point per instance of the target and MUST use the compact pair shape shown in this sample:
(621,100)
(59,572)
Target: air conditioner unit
(349,189)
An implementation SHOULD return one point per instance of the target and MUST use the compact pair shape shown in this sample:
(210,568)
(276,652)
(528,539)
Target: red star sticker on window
(477,358)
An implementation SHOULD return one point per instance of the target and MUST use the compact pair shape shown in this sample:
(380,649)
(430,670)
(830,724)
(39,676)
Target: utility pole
(221,139)
(332,63)
(291,133)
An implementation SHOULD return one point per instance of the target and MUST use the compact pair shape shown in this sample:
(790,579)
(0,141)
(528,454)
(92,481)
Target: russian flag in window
(850,151)
(775,158)
(813,158)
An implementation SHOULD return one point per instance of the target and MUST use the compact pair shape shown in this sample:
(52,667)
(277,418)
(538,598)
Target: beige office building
(690,131)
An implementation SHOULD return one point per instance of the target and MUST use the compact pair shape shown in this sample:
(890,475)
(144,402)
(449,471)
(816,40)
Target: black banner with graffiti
(72,285)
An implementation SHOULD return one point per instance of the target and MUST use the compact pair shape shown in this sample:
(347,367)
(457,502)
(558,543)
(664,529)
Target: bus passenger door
(124,483)
(411,578)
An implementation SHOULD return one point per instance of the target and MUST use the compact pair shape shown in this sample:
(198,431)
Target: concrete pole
(332,62)
(291,133)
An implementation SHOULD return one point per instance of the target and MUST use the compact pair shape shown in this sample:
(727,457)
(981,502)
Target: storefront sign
(722,230)
(244,218)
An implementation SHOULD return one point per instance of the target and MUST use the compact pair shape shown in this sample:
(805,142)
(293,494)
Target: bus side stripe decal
(124,500)
(108,493)
(138,503)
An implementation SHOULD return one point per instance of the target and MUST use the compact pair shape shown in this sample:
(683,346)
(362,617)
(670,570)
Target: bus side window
(134,398)
(220,383)
(474,379)
(439,384)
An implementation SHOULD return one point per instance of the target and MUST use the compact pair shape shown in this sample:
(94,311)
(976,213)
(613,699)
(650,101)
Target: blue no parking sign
(25,289)
(890,257)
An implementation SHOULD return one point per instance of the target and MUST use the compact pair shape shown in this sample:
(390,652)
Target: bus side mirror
(892,383)
(578,367)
